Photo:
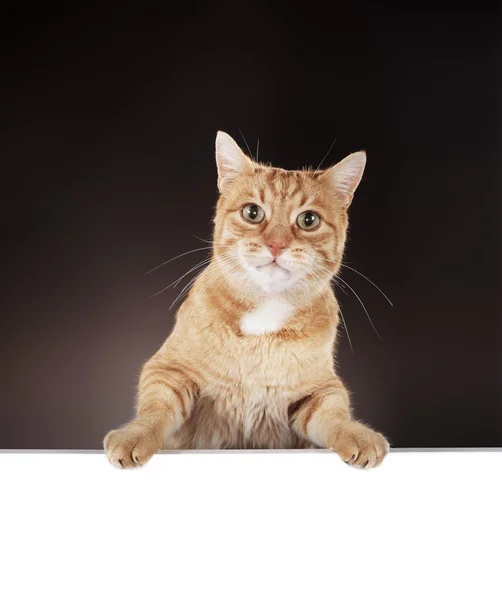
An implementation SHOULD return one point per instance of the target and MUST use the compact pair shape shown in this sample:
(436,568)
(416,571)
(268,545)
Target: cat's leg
(324,418)
(165,399)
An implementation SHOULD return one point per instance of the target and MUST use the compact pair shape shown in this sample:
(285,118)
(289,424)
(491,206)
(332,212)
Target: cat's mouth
(272,267)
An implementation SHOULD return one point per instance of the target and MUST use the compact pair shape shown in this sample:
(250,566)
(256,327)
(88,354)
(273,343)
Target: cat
(249,363)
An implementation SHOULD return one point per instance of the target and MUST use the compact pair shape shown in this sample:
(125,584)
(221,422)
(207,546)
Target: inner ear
(230,160)
(345,176)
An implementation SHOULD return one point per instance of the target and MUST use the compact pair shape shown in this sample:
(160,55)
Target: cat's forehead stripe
(285,185)
(295,188)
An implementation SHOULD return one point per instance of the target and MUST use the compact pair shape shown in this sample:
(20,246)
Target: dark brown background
(108,122)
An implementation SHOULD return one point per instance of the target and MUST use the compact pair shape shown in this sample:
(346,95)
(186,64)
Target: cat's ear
(230,160)
(345,176)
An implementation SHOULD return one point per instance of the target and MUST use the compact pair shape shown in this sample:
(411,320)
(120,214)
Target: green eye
(253,213)
(308,220)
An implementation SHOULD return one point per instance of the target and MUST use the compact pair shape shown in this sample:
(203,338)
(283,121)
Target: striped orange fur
(249,363)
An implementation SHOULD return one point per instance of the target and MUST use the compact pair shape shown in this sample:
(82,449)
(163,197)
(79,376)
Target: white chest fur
(267,318)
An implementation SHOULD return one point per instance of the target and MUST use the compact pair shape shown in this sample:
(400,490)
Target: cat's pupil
(309,219)
(252,211)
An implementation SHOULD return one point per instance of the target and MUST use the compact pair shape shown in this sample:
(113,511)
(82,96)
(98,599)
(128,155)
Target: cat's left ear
(230,160)
(346,175)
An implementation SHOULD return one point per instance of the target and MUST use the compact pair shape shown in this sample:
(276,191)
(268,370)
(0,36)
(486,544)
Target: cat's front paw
(359,445)
(131,446)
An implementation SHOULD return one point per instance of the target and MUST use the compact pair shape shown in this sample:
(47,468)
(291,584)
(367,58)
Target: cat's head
(278,230)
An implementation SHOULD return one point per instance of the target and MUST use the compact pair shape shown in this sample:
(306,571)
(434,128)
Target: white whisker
(339,281)
(192,281)
(206,261)
(211,242)
(333,275)
(341,286)
(325,156)
(175,257)
(369,280)
(338,304)
(186,288)
(247,145)
(324,295)
(175,283)
(346,329)
(232,261)
(310,298)
(361,303)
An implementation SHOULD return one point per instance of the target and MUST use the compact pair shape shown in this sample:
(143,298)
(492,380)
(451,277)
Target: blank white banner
(251,525)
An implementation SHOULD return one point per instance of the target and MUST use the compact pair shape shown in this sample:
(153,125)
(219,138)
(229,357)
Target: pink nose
(276,247)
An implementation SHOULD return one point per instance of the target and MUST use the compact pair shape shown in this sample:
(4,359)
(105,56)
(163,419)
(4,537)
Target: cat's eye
(253,213)
(308,220)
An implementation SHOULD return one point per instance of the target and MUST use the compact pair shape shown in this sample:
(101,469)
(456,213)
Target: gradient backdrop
(109,115)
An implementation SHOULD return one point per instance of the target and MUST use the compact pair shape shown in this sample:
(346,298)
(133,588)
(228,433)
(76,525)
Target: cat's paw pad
(360,446)
(130,446)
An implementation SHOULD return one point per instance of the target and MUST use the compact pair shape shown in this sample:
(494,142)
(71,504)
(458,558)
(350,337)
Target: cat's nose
(276,247)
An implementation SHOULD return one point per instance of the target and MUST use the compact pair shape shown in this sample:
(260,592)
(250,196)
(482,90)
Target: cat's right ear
(230,160)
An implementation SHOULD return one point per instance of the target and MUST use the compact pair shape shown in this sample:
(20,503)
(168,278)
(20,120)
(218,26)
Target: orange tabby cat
(249,363)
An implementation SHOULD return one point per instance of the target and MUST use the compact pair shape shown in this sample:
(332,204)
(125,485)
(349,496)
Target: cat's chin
(272,268)
(272,278)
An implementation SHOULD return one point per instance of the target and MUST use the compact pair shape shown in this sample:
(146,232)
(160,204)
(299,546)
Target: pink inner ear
(230,159)
(346,175)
